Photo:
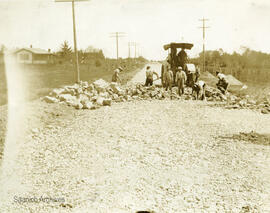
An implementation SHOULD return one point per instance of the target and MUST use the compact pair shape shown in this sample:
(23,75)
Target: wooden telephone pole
(74,37)
(129,46)
(203,27)
(135,45)
(117,35)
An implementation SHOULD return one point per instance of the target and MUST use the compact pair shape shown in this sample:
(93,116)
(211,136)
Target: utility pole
(74,37)
(203,27)
(132,44)
(117,35)
(135,50)
(129,45)
(75,45)
(136,44)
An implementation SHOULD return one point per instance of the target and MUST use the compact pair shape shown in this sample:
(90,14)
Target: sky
(151,23)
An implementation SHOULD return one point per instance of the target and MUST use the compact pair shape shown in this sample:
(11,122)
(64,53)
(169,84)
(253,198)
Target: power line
(203,27)
(117,35)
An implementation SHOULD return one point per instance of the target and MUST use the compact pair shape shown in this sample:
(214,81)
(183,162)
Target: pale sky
(152,23)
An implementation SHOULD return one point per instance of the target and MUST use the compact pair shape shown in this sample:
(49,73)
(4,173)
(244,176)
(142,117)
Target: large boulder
(107,102)
(83,98)
(104,94)
(72,102)
(243,103)
(70,91)
(100,100)
(66,97)
(49,99)
(153,93)
(265,111)
(74,86)
(232,98)
(57,92)
(84,84)
(134,92)
(91,88)
(79,91)
(101,85)
(78,106)
(88,105)
(115,87)
(115,96)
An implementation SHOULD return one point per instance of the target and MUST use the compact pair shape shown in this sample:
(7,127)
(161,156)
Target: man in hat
(116,73)
(222,84)
(164,69)
(168,78)
(149,76)
(180,80)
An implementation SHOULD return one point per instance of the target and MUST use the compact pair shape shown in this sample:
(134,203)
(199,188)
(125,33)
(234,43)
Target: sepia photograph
(134,106)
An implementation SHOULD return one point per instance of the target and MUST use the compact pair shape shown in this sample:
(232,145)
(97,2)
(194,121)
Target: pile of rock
(238,102)
(102,93)
(213,94)
(84,95)
(246,102)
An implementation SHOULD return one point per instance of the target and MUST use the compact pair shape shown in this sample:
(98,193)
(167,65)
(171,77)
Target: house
(33,56)
(93,53)
(91,49)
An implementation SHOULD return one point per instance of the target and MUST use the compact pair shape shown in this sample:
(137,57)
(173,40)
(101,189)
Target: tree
(66,50)
(3,48)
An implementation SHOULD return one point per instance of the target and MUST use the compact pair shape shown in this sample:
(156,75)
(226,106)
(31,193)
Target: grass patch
(41,79)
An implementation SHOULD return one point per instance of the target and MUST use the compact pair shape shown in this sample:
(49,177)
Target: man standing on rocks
(222,84)
(180,80)
(116,73)
(149,76)
(164,69)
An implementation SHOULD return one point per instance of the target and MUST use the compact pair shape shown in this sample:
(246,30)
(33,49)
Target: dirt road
(165,156)
(140,76)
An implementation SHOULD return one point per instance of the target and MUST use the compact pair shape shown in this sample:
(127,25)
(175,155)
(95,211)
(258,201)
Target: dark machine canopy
(178,45)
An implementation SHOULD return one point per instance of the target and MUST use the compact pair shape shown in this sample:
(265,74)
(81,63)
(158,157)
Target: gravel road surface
(163,156)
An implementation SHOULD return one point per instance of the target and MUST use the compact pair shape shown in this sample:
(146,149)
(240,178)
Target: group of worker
(179,78)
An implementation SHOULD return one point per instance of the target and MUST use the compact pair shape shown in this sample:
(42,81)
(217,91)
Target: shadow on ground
(251,137)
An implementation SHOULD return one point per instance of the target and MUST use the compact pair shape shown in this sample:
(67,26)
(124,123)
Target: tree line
(249,66)
(90,54)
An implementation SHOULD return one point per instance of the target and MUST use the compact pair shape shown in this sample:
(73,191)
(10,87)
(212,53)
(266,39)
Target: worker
(164,68)
(199,89)
(116,73)
(168,78)
(149,76)
(222,84)
(182,58)
(180,80)
(197,73)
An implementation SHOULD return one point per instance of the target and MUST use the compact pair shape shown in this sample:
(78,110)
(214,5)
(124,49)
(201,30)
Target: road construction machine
(178,59)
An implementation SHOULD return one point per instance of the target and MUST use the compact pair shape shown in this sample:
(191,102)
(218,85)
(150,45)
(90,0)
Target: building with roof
(33,56)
